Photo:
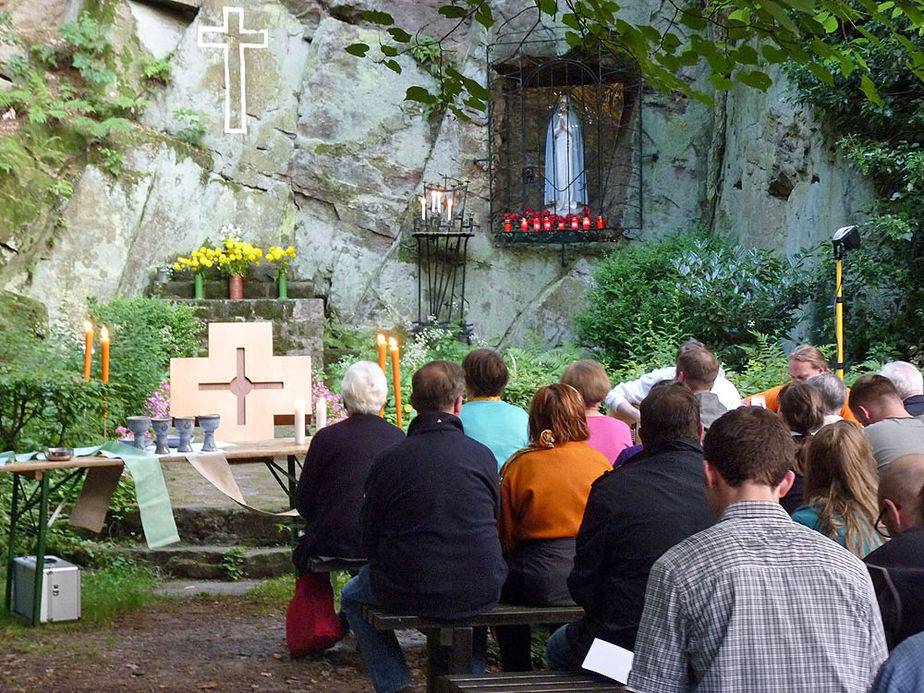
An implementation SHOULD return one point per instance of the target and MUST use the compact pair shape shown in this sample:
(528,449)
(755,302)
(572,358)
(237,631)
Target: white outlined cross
(239,114)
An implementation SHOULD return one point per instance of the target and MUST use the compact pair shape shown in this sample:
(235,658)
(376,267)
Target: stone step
(204,525)
(217,289)
(214,562)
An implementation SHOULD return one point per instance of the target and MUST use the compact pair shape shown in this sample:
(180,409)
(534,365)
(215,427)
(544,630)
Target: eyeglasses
(880,525)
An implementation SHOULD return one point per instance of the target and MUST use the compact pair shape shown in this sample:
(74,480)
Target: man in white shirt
(623,398)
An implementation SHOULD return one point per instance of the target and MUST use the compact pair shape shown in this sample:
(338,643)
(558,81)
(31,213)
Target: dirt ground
(194,643)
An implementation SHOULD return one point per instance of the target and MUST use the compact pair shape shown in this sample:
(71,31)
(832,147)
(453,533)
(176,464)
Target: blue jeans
(380,648)
(562,653)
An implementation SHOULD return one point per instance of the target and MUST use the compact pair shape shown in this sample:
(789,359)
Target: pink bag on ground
(312,624)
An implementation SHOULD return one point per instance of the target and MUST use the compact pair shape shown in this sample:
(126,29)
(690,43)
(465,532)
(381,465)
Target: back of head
(363,389)
(809,354)
(906,378)
(436,386)
(902,482)
(669,411)
(801,408)
(558,408)
(485,373)
(832,390)
(699,366)
(589,378)
(750,444)
(876,394)
(839,462)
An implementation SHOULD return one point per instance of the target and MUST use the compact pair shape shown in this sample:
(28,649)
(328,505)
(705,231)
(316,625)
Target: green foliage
(44,400)
(191,126)
(145,334)
(156,69)
(689,286)
(232,562)
(735,39)
(764,365)
(89,49)
(535,366)
(119,586)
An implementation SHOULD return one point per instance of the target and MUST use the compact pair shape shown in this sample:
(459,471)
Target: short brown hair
(560,409)
(872,389)
(750,444)
(802,408)
(589,378)
(485,373)
(810,355)
(436,386)
(669,411)
(699,366)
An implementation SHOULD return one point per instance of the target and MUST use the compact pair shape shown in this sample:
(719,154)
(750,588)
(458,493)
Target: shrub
(690,285)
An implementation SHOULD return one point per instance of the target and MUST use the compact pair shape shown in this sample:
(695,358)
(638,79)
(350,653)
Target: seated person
(897,567)
(891,430)
(623,398)
(429,522)
(801,409)
(833,395)
(499,425)
(608,435)
(840,488)
(804,362)
(903,671)
(909,382)
(330,489)
(543,493)
(634,514)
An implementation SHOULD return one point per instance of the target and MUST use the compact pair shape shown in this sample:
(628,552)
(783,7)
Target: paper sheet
(608,659)
(214,468)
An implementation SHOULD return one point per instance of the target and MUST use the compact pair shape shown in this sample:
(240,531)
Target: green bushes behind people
(689,285)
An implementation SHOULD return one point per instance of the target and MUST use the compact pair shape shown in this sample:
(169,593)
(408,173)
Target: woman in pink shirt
(608,435)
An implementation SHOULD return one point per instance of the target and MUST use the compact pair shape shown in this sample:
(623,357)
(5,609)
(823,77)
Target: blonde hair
(810,355)
(589,378)
(841,484)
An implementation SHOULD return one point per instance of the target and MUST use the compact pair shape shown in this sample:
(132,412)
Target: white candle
(449,209)
(438,197)
(320,413)
(299,422)
(423,208)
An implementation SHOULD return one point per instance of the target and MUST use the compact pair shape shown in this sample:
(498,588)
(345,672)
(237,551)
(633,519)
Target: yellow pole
(839,319)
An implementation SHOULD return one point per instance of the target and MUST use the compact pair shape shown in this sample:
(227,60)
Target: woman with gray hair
(330,490)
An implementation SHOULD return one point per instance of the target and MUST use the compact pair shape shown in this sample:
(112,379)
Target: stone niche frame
(605,91)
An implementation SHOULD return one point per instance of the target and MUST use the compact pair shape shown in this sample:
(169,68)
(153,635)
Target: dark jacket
(330,489)
(634,514)
(430,522)
(897,570)
(914,405)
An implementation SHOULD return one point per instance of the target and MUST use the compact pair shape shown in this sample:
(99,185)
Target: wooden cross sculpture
(241,380)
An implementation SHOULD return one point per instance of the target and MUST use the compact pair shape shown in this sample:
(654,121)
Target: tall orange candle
(396,375)
(380,340)
(87,349)
(104,347)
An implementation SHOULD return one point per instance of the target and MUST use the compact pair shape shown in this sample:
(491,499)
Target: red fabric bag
(312,624)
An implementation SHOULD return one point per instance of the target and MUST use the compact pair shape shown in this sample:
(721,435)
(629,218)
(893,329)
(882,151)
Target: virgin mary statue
(565,177)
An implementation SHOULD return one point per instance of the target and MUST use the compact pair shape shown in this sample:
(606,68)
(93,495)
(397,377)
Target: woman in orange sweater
(544,489)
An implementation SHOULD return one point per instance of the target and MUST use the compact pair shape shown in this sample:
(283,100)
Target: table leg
(40,552)
(11,535)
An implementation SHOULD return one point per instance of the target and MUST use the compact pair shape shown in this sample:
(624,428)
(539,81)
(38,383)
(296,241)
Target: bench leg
(449,651)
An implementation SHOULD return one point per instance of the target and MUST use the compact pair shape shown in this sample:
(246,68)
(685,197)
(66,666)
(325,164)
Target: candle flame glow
(104,334)
(87,326)
(381,338)
(392,343)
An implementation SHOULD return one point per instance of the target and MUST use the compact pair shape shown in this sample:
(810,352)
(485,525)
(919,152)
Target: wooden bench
(330,564)
(523,681)
(449,643)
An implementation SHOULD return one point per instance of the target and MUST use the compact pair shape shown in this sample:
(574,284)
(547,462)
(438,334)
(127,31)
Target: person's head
(438,386)
(747,451)
(906,378)
(363,388)
(901,494)
(669,411)
(832,390)
(589,378)
(697,367)
(806,361)
(485,373)
(841,482)
(874,398)
(559,409)
(801,408)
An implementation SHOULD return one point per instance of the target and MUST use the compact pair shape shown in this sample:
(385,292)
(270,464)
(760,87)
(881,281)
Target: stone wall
(333,159)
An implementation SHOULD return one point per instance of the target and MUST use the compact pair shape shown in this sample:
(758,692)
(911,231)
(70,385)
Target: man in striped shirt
(756,602)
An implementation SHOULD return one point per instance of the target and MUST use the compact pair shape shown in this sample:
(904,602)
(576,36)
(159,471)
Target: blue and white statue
(565,177)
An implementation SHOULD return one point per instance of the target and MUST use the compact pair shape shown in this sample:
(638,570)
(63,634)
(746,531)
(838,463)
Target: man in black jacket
(633,515)
(429,523)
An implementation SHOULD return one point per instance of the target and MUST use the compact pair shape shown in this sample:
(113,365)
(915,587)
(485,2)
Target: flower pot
(197,286)
(235,287)
(283,286)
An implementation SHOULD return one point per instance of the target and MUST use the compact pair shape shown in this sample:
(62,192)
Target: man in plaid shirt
(756,602)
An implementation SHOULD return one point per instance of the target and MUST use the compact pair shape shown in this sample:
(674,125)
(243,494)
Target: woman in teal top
(841,487)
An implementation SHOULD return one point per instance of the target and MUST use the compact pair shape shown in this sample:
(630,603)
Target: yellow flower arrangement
(198,260)
(281,257)
(235,256)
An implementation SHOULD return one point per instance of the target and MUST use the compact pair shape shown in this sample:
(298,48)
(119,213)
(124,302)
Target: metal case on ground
(60,589)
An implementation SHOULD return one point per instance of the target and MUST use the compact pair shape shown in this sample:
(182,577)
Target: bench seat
(523,681)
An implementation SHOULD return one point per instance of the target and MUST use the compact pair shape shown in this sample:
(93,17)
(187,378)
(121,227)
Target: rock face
(333,160)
